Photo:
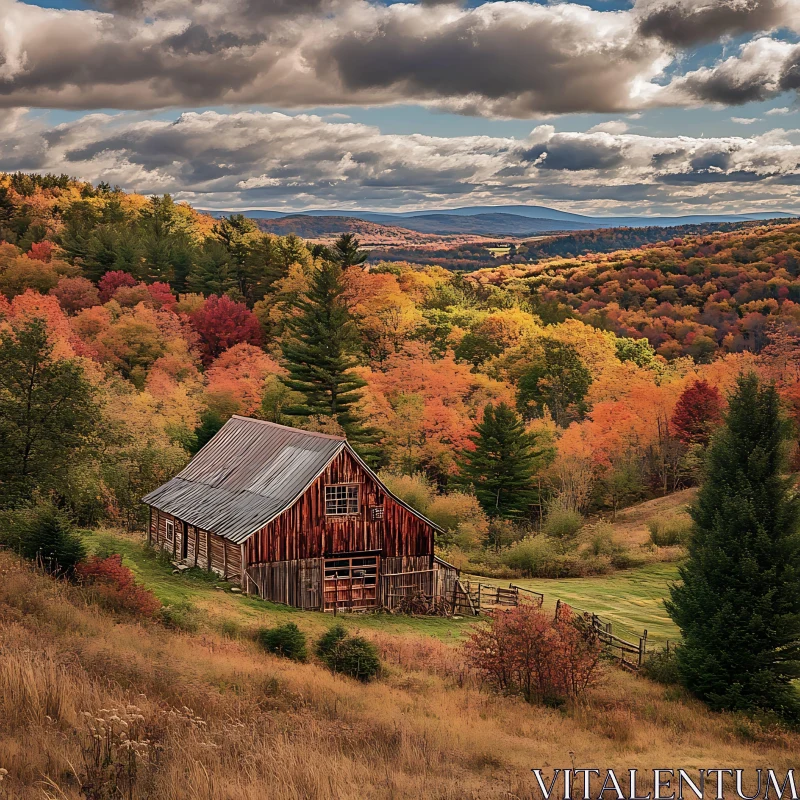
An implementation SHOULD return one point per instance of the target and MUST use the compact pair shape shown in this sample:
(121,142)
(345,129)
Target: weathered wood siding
(305,532)
(226,557)
(295,583)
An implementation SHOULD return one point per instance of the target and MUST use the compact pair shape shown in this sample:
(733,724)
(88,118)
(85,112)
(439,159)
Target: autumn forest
(610,371)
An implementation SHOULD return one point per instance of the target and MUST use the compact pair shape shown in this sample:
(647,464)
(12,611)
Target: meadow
(222,720)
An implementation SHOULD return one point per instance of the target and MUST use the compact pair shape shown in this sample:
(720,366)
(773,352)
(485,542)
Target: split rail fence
(471,598)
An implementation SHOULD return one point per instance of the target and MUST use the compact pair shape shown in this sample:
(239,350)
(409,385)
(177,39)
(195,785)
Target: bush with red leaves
(112,281)
(113,585)
(526,651)
(221,323)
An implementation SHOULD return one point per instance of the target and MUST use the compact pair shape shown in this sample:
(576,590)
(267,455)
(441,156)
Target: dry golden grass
(262,727)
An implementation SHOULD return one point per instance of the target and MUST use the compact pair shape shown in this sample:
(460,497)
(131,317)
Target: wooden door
(351,582)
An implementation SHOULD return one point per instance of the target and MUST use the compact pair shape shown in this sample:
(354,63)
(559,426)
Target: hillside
(371,234)
(692,296)
(219,718)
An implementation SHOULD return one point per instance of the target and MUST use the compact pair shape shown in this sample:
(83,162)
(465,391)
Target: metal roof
(250,472)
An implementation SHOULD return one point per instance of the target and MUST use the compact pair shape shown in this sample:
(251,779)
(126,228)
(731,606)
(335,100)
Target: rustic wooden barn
(298,518)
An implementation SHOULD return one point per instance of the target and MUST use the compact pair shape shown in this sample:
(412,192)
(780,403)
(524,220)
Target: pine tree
(47,412)
(211,271)
(346,252)
(503,463)
(738,603)
(321,354)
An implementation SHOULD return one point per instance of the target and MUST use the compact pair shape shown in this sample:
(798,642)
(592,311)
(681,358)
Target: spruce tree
(738,603)
(346,252)
(48,412)
(211,272)
(503,463)
(321,354)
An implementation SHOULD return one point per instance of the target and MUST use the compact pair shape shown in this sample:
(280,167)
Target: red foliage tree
(697,413)
(221,323)
(74,294)
(41,251)
(114,586)
(525,651)
(161,295)
(112,281)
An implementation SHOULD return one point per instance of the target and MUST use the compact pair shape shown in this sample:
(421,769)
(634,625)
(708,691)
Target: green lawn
(632,599)
(220,605)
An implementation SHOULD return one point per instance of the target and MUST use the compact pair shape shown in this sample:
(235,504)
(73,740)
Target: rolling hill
(507,220)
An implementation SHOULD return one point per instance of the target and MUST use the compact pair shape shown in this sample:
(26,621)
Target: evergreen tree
(237,233)
(738,603)
(321,354)
(211,271)
(503,463)
(47,412)
(346,252)
(80,220)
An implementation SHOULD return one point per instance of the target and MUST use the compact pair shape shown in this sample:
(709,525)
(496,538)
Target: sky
(597,107)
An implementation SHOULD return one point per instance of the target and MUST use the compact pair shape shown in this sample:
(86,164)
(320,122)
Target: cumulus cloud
(504,59)
(274,160)
(688,22)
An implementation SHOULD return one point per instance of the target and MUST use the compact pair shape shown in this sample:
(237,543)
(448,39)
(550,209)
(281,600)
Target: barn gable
(250,473)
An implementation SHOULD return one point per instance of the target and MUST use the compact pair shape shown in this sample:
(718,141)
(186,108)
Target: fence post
(479,597)
(558,607)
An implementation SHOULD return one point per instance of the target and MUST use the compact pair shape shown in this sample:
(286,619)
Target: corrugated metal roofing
(245,476)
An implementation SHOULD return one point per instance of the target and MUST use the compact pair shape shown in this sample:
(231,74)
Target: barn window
(170,530)
(341,499)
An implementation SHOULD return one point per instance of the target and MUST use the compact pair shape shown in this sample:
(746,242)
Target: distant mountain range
(508,220)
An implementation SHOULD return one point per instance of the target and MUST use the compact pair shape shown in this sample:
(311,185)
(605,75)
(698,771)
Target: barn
(298,518)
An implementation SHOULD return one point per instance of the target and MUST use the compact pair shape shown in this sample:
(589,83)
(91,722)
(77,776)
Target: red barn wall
(304,531)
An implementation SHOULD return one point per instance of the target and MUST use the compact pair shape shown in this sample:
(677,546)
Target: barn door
(351,582)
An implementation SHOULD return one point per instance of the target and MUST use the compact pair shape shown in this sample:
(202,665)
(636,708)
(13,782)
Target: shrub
(533,556)
(45,534)
(287,641)
(347,655)
(662,667)
(525,651)
(113,585)
(562,523)
(671,531)
(462,518)
(602,541)
(329,640)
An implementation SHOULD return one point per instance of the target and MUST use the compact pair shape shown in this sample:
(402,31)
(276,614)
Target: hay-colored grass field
(230,722)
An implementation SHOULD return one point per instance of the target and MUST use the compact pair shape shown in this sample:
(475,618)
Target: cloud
(744,120)
(777,112)
(275,160)
(684,23)
(501,59)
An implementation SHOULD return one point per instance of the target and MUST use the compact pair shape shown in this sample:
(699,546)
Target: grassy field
(632,599)
(224,608)
(226,721)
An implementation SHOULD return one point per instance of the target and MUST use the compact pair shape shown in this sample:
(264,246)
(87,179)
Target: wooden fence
(473,598)
(631,655)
